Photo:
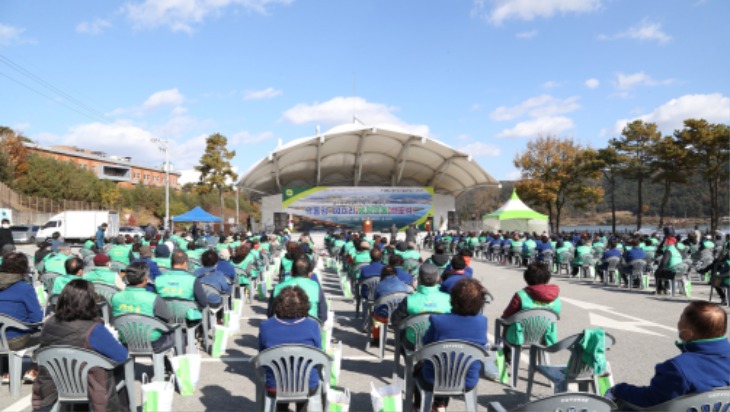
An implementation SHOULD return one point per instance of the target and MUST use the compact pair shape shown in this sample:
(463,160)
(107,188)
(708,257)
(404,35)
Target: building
(118,169)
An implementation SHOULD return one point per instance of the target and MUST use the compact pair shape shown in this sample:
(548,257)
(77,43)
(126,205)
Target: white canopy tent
(515,215)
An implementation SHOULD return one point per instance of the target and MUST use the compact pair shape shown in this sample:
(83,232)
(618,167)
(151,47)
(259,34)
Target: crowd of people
(148,270)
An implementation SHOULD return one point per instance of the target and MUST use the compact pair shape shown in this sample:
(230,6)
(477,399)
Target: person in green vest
(292,253)
(102,274)
(162,256)
(73,269)
(243,259)
(179,283)
(583,251)
(137,299)
(120,252)
(89,244)
(55,262)
(301,270)
(516,246)
(427,298)
(538,294)
(671,258)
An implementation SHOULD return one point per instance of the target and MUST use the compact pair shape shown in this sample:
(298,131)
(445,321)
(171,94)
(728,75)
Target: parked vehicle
(79,225)
(131,231)
(24,233)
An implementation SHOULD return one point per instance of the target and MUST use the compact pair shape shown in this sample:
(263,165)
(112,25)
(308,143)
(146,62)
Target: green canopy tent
(515,215)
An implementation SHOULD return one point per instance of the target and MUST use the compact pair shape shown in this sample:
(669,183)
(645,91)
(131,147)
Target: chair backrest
(391,301)
(137,331)
(117,266)
(569,401)
(105,291)
(565,256)
(69,368)
(212,289)
(411,266)
(613,262)
(714,400)
(10,322)
(638,266)
(371,284)
(451,360)
(418,324)
(291,366)
(587,259)
(179,308)
(577,368)
(48,278)
(535,323)
(547,253)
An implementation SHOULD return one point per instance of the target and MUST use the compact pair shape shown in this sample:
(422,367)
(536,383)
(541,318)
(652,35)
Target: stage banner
(325,207)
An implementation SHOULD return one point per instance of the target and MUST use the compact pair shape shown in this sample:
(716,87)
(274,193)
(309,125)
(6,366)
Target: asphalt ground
(643,324)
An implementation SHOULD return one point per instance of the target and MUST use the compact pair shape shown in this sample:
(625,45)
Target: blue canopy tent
(197,214)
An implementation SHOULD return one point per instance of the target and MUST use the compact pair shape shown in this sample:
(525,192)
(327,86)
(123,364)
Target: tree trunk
(223,212)
(558,210)
(550,217)
(641,205)
(612,183)
(714,207)
(665,200)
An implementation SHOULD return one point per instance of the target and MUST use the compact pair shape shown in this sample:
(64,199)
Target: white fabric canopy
(515,215)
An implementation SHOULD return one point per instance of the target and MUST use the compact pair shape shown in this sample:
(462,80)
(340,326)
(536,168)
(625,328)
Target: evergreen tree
(215,166)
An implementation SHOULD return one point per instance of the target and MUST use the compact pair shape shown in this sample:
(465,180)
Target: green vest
(56,263)
(119,253)
(580,251)
(60,282)
(286,263)
(362,257)
(135,300)
(311,288)
(178,284)
(515,331)
(162,262)
(195,253)
(221,246)
(531,245)
(411,254)
(676,257)
(516,246)
(89,244)
(102,275)
(427,299)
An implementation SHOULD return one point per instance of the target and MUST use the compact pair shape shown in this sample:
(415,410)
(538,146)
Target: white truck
(79,225)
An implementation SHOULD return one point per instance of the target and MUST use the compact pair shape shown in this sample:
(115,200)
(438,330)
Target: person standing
(100,238)
(393,231)
(6,236)
(411,233)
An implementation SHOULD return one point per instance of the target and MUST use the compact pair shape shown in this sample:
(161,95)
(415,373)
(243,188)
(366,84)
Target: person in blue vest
(457,272)
(703,365)
(632,254)
(389,283)
(290,324)
(397,262)
(210,275)
(145,255)
(224,265)
(466,323)
(374,269)
(468,270)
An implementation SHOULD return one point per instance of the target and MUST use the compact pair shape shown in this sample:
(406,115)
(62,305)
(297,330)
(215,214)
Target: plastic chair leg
(315,401)
(409,384)
(470,398)
(383,332)
(426,400)
(15,365)
(158,365)
(129,383)
(516,352)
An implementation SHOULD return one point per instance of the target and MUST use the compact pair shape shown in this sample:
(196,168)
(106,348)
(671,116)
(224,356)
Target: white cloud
(10,35)
(526,34)
(95,26)
(479,149)
(183,15)
(514,175)
(644,31)
(115,139)
(171,97)
(551,84)
(714,108)
(538,106)
(189,176)
(268,93)
(246,138)
(538,126)
(529,10)
(592,83)
(624,83)
(339,110)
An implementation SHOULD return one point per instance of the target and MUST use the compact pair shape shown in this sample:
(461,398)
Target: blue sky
(483,76)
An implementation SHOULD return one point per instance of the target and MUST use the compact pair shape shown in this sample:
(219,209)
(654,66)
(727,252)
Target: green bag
(187,372)
(220,341)
(688,288)
(338,399)
(335,351)
(157,396)
(262,289)
(42,295)
(502,367)
(386,398)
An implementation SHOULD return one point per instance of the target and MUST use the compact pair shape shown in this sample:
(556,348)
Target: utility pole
(236,187)
(163,145)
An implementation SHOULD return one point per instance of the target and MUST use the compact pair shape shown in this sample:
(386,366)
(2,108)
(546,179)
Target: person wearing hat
(54,262)
(162,256)
(102,274)
(44,249)
(121,252)
(427,298)
(145,255)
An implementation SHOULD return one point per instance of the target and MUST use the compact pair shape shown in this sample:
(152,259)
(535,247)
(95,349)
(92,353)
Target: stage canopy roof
(197,214)
(360,155)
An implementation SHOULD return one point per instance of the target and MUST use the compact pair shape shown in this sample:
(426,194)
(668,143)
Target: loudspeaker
(281,220)
(453,220)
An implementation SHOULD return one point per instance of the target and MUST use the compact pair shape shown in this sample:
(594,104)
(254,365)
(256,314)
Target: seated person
(389,283)
(210,275)
(612,251)
(145,255)
(290,325)
(54,262)
(703,365)
(224,265)
(74,269)
(135,298)
(457,272)
(301,269)
(427,298)
(76,323)
(121,252)
(633,253)
(102,274)
(583,251)
(18,300)
(465,322)
(537,294)
(468,270)
(397,262)
(543,246)
(440,258)
(372,270)
(162,256)
(178,283)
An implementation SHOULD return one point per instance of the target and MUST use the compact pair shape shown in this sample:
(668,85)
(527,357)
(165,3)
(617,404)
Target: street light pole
(236,187)
(164,145)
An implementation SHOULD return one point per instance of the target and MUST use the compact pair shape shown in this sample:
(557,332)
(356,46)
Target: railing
(35,210)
